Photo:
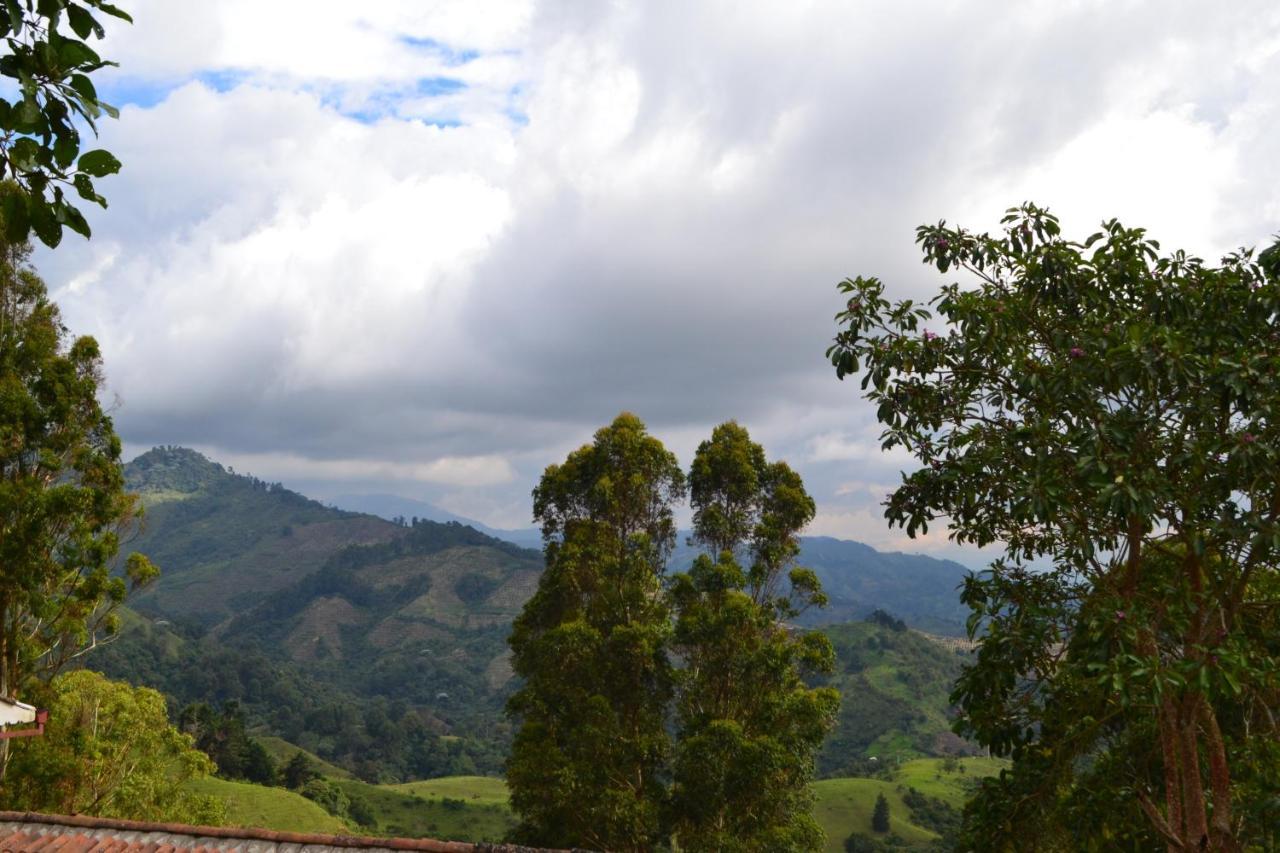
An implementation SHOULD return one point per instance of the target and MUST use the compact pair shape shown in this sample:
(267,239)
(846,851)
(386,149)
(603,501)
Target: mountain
(393,507)
(223,540)
(923,591)
(381,646)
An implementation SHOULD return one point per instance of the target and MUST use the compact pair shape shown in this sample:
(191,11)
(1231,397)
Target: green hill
(921,794)
(269,808)
(460,808)
(894,685)
(282,752)
(381,648)
(224,540)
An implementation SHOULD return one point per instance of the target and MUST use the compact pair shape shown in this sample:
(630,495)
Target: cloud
(364,233)
(447,471)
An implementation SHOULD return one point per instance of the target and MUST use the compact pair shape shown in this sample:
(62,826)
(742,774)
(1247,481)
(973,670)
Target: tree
(1111,412)
(327,795)
(62,498)
(587,763)
(222,737)
(298,772)
(748,727)
(880,817)
(49,61)
(108,750)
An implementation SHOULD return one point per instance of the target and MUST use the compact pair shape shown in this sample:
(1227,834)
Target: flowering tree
(1112,411)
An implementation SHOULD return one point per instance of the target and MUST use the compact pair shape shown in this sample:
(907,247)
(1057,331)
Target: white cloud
(469,471)
(642,206)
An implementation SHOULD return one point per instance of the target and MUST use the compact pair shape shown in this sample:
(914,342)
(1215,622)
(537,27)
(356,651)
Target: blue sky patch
(447,54)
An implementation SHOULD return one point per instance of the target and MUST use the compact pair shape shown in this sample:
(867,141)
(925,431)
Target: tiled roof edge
(425,844)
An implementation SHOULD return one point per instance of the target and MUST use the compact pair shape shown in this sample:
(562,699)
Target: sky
(427,247)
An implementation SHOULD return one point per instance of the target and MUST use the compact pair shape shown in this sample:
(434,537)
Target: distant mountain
(223,540)
(392,507)
(858,579)
(305,612)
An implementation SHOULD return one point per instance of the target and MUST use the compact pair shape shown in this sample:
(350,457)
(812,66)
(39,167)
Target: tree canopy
(1109,414)
(748,726)
(594,763)
(586,768)
(62,497)
(49,62)
(109,751)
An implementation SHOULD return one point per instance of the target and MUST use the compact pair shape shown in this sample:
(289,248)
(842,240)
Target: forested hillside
(382,647)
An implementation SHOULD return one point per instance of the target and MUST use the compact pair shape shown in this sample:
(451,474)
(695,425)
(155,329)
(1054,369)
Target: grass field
(927,776)
(283,751)
(457,808)
(481,790)
(475,808)
(269,808)
(844,806)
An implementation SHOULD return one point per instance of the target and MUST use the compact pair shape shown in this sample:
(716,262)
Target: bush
(328,796)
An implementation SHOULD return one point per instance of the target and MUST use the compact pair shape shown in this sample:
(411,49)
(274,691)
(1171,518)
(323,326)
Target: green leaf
(99,163)
(17,224)
(83,23)
(44,222)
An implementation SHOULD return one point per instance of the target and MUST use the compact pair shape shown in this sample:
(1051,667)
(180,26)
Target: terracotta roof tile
(26,832)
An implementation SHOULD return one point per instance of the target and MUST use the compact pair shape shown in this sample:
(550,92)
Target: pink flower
(928,335)
(942,244)
(1119,615)
(1076,352)
(1248,438)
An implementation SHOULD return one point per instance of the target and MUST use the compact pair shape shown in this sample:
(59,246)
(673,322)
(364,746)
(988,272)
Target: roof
(26,831)
(13,712)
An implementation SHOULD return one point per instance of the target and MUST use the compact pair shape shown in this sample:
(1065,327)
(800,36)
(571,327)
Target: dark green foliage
(63,502)
(587,762)
(474,588)
(747,725)
(880,817)
(932,813)
(327,795)
(1110,411)
(887,620)
(361,812)
(221,736)
(48,62)
(298,772)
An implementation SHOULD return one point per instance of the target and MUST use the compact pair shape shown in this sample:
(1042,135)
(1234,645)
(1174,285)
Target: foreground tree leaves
(49,62)
(1111,412)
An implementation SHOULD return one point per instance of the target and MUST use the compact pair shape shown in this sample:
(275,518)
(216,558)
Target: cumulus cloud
(352,241)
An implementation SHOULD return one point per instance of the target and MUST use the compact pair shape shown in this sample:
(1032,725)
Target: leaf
(99,163)
(17,224)
(83,23)
(73,218)
(45,222)
(83,87)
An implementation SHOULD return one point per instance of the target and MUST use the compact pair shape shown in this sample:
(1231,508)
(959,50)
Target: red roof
(26,831)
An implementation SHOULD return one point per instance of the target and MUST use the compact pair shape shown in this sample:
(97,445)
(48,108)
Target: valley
(378,648)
